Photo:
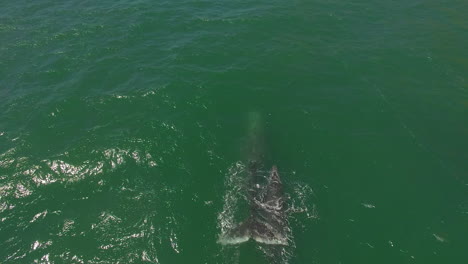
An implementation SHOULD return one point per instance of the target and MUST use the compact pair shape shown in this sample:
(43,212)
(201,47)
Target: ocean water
(123,125)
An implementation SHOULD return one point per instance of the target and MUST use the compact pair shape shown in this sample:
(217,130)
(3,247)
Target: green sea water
(122,124)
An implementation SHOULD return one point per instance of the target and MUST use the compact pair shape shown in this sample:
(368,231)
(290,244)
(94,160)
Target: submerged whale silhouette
(267,220)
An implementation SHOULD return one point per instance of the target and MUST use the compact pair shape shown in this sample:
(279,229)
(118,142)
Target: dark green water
(121,122)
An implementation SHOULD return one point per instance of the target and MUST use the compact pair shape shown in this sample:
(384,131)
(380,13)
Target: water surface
(122,121)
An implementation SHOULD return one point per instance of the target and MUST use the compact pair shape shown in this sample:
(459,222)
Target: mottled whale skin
(267,219)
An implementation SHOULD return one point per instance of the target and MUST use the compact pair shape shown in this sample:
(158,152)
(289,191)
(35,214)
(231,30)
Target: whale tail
(237,235)
(266,223)
(259,231)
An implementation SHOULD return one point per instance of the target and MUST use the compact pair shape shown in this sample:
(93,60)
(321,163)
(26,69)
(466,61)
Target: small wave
(58,170)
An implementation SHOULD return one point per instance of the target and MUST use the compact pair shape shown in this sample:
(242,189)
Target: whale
(266,220)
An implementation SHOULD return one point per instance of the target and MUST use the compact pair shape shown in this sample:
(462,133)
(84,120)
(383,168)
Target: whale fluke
(267,221)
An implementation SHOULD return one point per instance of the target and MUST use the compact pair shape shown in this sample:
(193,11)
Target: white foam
(226,240)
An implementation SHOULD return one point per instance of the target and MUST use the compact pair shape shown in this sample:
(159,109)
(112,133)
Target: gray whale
(266,222)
